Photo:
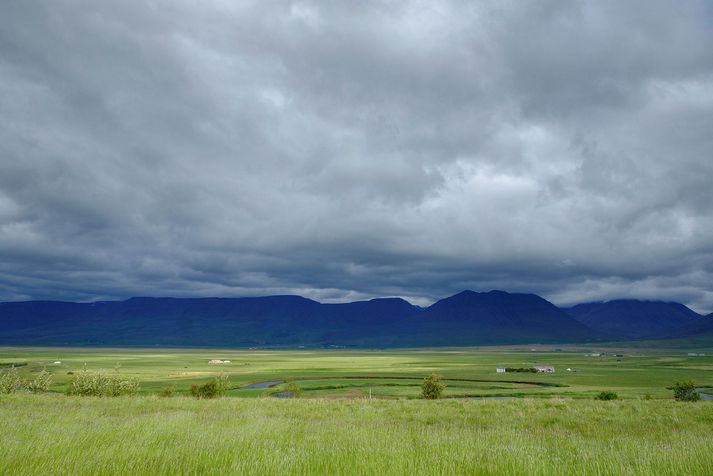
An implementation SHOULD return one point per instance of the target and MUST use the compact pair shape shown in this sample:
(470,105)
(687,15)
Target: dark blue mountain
(467,318)
(700,328)
(498,317)
(634,319)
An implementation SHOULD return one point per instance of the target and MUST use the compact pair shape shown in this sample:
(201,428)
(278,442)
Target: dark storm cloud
(342,150)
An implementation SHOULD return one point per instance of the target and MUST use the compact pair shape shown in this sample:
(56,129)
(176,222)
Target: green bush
(213,389)
(432,387)
(101,384)
(10,380)
(686,391)
(167,392)
(607,396)
(293,390)
(41,383)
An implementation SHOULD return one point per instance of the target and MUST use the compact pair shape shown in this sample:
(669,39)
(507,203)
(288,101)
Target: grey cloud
(342,151)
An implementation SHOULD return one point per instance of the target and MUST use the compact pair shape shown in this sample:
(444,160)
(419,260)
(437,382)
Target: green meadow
(360,413)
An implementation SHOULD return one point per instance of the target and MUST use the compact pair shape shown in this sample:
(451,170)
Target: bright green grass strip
(147,435)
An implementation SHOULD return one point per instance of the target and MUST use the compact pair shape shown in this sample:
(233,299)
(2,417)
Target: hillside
(634,319)
(500,317)
(699,329)
(467,318)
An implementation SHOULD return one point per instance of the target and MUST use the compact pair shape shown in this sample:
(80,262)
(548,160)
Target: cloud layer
(344,150)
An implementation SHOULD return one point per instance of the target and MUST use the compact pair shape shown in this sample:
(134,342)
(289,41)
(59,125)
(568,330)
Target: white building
(500,370)
(545,368)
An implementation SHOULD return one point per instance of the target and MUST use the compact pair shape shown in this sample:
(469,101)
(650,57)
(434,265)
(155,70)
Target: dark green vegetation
(432,387)
(607,396)
(216,387)
(686,392)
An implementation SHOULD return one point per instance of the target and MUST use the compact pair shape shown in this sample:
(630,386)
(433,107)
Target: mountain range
(467,318)
(633,319)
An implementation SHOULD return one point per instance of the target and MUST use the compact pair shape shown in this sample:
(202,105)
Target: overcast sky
(348,150)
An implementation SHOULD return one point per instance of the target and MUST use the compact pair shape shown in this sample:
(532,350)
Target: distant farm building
(544,368)
(500,370)
(218,361)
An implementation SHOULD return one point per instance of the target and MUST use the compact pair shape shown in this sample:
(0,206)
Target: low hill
(467,318)
(634,319)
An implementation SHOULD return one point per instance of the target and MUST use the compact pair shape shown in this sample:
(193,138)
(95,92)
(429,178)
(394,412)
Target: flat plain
(489,423)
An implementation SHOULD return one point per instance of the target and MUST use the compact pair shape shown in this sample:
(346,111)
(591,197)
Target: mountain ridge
(494,317)
(463,319)
(633,318)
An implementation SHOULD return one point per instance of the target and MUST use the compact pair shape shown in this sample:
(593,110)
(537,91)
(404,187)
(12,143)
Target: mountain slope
(634,319)
(467,318)
(701,328)
(499,317)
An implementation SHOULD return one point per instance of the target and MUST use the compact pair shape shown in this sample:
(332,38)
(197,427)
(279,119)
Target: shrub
(686,392)
(432,387)
(10,380)
(607,396)
(213,389)
(521,369)
(41,383)
(293,390)
(101,384)
(167,392)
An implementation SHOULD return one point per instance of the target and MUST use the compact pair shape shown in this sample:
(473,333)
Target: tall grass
(151,435)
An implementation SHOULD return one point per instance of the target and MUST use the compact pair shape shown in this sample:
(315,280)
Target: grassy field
(148,435)
(632,373)
(556,428)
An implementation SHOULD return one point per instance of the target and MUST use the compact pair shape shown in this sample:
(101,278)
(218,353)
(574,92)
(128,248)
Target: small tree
(293,390)
(686,391)
(432,387)
(41,383)
(607,396)
(10,381)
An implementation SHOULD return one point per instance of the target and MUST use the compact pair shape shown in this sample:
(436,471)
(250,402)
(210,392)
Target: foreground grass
(54,434)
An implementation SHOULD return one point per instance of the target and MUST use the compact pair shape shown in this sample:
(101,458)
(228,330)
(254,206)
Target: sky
(347,150)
